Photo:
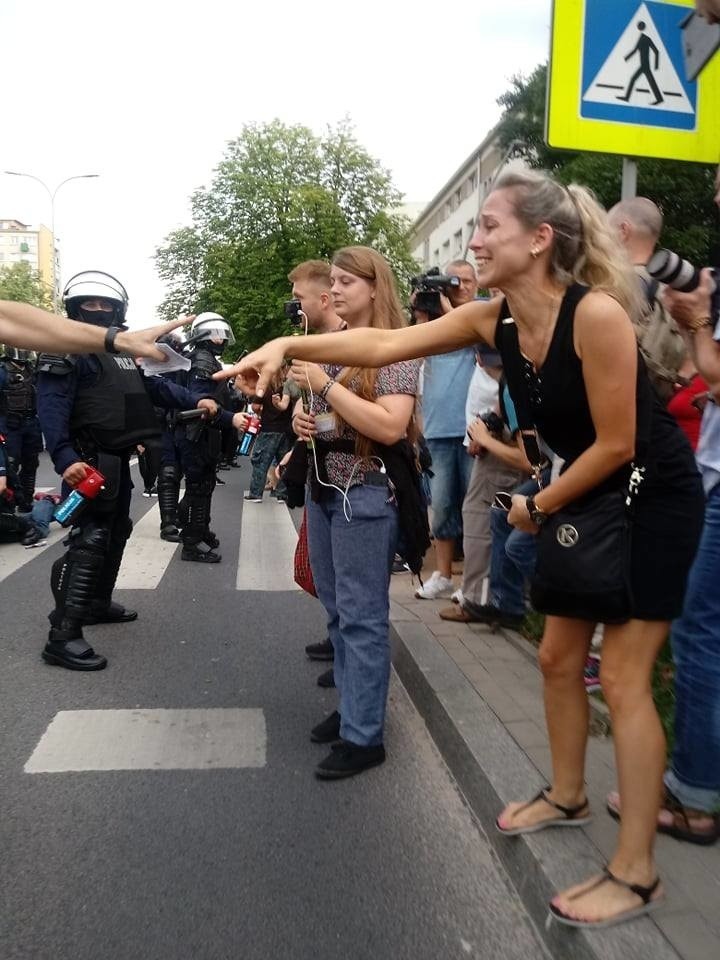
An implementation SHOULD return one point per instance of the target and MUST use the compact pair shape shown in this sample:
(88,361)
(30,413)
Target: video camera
(427,289)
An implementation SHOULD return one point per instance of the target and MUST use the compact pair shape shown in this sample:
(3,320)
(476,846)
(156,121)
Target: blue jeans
(694,774)
(268,448)
(513,556)
(451,467)
(351,565)
(40,515)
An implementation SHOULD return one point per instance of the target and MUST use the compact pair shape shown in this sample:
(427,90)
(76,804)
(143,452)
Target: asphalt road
(243,862)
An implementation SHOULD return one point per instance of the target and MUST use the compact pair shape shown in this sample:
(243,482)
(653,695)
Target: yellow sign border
(566,129)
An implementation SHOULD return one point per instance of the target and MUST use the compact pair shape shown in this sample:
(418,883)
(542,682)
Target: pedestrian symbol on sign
(644,47)
(632,65)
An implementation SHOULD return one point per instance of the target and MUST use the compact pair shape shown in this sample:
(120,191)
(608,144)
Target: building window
(436,258)
(457,244)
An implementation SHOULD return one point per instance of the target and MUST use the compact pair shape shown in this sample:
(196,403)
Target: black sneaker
(328,731)
(326,679)
(347,759)
(487,613)
(33,537)
(320,651)
(196,555)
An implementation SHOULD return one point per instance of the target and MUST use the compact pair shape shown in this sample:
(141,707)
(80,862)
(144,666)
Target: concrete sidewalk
(480,695)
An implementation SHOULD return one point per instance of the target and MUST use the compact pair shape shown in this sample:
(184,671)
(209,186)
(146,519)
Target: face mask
(98,318)
(217,348)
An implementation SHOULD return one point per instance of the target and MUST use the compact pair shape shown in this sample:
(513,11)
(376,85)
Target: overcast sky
(147,94)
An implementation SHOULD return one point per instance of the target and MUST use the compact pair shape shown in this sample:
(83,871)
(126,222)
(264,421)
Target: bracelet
(110,335)
(326,389)
(698,323)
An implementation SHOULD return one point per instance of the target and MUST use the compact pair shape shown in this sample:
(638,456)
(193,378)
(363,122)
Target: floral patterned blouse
(397,378)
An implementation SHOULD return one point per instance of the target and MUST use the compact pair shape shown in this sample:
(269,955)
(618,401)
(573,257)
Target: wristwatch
(538,516)
(110,335)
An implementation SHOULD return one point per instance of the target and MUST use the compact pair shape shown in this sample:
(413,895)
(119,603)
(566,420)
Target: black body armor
(115,412)
(18,398)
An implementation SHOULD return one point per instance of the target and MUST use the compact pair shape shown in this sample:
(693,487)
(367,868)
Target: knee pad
(91,538)
(170,473)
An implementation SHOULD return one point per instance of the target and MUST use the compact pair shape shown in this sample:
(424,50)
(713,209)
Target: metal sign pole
(629,179)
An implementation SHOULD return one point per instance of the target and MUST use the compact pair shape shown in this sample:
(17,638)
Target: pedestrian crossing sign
(617,82)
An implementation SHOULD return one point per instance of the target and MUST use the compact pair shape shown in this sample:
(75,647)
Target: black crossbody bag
(583,550)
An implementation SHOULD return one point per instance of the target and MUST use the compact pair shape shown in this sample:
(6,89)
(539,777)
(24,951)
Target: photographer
(445,382)
(638,224)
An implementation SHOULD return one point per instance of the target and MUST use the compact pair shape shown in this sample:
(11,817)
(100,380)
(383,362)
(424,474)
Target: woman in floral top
(351,510)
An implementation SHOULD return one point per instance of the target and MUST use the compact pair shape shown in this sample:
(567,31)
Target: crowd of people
(552,383)
(576,392)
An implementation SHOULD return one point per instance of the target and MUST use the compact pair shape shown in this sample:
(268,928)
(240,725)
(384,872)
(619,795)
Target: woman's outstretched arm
(369,347)
(30,328)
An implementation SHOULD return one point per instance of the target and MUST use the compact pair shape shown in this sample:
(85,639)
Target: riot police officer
(201,445)
(170,473)
(19,422)
(94,410)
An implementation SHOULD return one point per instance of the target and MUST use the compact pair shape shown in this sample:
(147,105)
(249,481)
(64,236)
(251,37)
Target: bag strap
(512,362)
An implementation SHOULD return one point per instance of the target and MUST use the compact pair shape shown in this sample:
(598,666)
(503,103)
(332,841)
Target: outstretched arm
(33,329)
(370,347)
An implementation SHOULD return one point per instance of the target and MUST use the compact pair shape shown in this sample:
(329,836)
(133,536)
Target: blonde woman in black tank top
(571,293)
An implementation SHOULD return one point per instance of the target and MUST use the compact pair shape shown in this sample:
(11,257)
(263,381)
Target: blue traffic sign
(633,68)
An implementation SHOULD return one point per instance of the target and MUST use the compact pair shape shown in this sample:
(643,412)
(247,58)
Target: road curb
(491,769)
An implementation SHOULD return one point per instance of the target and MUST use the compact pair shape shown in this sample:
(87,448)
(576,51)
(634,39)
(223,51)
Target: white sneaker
(434,588)
(457,597)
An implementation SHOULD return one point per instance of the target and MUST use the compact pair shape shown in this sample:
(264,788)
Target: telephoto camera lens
(670,268)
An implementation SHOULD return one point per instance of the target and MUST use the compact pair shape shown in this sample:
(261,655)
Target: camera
(427,289)
(293,312)
(494,423)
(670,268)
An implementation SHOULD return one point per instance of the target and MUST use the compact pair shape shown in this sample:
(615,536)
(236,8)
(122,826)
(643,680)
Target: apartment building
(443,229)
(19,241)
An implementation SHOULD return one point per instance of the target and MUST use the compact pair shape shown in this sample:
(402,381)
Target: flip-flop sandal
(649,903)
(674,807)
(570,816)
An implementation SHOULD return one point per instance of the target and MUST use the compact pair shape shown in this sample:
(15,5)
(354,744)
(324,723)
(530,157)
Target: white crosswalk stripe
(146,556)
(267,546)
(264,562)
(13,556)
(82,740)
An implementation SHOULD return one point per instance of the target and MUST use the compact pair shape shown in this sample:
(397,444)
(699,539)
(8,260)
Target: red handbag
(302,572)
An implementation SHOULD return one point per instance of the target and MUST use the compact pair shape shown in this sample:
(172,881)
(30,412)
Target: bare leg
(562,658)
(444,550)
(629,652)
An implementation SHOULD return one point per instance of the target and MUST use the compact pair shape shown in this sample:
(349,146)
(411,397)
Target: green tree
(20,282)
(279,195)
(683,191)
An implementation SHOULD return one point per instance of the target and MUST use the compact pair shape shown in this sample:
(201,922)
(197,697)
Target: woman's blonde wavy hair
(585,248)
(387,315)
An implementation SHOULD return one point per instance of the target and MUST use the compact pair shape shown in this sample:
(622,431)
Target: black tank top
(561,412)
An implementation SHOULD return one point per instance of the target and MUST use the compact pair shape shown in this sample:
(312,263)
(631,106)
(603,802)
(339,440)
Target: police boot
(72,582)
(198,494)
(103,609)
(168,493)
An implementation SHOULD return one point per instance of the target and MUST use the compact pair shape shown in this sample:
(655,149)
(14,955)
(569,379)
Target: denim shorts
(451,466)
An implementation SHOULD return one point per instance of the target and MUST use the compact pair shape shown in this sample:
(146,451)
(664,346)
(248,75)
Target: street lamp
(52,194)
